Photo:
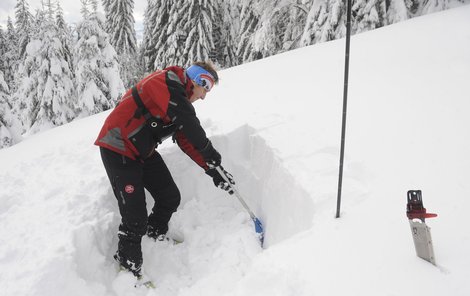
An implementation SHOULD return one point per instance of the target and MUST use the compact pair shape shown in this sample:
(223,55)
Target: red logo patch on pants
(129,189)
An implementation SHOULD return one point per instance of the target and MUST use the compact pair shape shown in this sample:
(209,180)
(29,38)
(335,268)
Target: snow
(277,125)
(33,47)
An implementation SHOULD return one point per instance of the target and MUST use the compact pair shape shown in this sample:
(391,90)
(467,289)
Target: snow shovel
(258,226)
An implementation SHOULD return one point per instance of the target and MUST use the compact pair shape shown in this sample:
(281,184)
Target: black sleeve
(182,114)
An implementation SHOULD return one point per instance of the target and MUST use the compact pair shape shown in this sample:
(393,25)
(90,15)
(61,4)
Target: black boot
(160,236)
(129,253)
(156,233)
(126,264)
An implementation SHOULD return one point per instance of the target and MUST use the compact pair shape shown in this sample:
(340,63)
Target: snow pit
(219,238)
(269,189)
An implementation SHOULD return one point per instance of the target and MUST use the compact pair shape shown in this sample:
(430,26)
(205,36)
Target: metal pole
(345,105)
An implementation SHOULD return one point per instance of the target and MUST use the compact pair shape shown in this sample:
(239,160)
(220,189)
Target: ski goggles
(201,76)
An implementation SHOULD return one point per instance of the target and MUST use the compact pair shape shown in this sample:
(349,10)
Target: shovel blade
(259,230)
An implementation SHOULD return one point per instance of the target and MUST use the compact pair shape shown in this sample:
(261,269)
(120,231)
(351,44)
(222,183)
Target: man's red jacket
(165,95)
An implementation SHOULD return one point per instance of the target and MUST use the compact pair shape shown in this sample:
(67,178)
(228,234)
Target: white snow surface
(277,124)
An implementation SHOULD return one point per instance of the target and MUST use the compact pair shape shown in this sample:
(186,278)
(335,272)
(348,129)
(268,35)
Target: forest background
(52,72)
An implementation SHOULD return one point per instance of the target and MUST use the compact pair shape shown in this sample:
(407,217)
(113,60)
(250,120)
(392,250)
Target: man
(158,107)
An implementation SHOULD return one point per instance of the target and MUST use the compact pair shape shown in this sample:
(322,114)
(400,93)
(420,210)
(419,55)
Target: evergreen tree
(96,65)
(148,47)
(123,37)
(64,33)
(430,6)
(11,56)
(6,138)
(281,24)
(324,22)
(46,92)
(413,7)
(396,11)
(171,52)
(186,31)
(272,27)
(59,17)
(180,31)
(106,7)
(23,25)
(327,19)
(422,7)
(249,24)
(121,30)
(197,24)
(295,17)
(3,51)
(224,31)
(369,15)
(9,127)
(48,9)
(157,33)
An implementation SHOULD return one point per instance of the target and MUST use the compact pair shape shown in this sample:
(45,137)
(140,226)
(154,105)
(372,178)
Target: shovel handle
(235,191)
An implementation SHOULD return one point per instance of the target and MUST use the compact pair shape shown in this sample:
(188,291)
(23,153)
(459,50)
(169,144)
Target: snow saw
(421,233)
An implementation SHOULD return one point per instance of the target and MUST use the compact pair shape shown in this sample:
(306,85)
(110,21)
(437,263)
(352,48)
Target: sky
(71,11)
(279,136)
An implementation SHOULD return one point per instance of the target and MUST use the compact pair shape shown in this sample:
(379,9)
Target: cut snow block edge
(270,190)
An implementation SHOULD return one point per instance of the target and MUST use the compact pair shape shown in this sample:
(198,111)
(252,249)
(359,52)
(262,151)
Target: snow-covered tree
(106,6)
(369,15)
(64,34)
(123,38)
(296,17)
(6,138)
(181,31)
(96,64)
(11,55)
(130,71)
(172,53)
(60,21)
(422,7)
(45,96)
(396,11)
(249,24)
(3,50)
(430,6)
(197,24)
(414,7)
(147,46)
(158,29)
(226,24)
(122,31)
(325,21)
(23,25)
(281,24)
(9,126)
(271,29)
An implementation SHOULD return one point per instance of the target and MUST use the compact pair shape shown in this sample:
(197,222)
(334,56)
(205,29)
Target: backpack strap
(141,110)
(160,131)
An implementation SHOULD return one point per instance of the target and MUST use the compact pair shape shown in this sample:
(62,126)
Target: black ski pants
(128,179)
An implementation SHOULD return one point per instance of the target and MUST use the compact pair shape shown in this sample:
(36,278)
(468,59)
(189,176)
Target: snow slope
(277,124)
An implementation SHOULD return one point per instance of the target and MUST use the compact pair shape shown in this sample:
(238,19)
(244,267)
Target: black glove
(219,180)
(210,155)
